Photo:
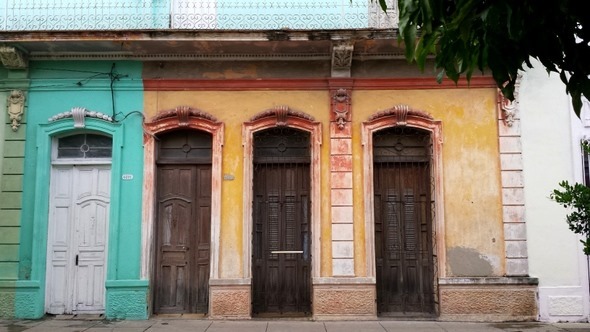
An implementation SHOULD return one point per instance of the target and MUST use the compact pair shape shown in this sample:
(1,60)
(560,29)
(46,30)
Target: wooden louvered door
(403,227)
(281,262)
(183,227)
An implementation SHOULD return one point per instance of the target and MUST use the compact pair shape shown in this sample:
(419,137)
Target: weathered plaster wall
(551,136)
(238,69)
(473,215)
(58,87)
(233,109)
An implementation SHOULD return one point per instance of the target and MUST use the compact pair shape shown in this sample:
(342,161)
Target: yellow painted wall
(472,190)
(471,163)
(233,109)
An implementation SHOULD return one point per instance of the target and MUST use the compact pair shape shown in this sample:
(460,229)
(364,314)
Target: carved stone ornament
(341,107)
(282,113)
(342,60)
(12,58)
(16,108)
(401,113)
(79,114)
(508,107)
(184,113)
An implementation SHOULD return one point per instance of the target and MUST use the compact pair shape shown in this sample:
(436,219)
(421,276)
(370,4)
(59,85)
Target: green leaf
(440,76)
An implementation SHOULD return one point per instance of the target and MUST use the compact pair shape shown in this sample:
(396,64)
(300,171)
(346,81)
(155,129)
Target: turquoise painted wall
(11,169)
(57,87)
(293,14)
(84,15)
(189,14)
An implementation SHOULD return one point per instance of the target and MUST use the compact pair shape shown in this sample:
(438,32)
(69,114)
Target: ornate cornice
(184,113)
(281,113)
(401,112)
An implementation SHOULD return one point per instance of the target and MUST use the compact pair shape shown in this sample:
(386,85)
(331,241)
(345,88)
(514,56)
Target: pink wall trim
(181,117)
(403,115)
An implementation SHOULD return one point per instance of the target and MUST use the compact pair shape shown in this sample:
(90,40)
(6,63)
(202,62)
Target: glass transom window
(84,146)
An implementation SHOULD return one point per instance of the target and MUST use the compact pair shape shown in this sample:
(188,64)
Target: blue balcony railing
(69,15)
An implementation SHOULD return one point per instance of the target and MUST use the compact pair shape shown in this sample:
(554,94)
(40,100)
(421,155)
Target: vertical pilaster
(511,166)
(341,199)
(14,84)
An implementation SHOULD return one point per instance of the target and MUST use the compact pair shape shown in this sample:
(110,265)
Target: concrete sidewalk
(204,325)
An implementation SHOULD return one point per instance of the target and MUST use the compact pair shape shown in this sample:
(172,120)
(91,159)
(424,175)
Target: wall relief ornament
(79,114)
(508,107)
(281,113)
(16,108)
(401,113)
(12,58)
(184,114)
(341,107)
(342,59)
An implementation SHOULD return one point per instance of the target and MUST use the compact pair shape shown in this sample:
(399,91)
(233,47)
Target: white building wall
(551,135)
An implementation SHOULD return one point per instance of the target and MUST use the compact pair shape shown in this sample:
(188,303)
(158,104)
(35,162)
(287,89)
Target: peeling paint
(465,262)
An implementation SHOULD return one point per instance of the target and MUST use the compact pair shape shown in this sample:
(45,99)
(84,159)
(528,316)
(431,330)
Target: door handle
(76,260)
(287,252)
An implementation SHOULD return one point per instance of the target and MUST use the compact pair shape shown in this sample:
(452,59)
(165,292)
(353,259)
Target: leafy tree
(502,36)
(577,198)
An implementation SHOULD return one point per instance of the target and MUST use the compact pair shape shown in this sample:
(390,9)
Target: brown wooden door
(403,230)
(282,231)
(183,232)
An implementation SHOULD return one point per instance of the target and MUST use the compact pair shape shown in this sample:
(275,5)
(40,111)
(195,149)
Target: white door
(77,238)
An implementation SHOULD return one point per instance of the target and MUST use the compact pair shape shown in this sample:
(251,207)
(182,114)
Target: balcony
(115,15)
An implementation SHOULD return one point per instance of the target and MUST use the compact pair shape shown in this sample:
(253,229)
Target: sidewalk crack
(437,324)
(208,326)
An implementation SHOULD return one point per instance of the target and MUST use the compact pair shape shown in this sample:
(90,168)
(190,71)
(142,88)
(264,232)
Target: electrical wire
(112,74)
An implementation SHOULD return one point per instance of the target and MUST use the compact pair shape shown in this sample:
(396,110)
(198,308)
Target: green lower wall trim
(7,294)
(6,304)
(127,299)
(28,300)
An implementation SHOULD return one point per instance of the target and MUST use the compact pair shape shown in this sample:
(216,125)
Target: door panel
(403,238)
(183,239)
(60,227)
(281,223)
(77,243)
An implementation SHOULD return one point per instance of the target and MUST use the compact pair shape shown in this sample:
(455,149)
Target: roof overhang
(199,44)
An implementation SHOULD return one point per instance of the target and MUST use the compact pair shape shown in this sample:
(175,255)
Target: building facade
(240,170)
(551,128)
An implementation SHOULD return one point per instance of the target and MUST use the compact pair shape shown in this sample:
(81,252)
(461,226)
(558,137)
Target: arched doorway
(403,210)
(79,205)
(281,214)
(183,222)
